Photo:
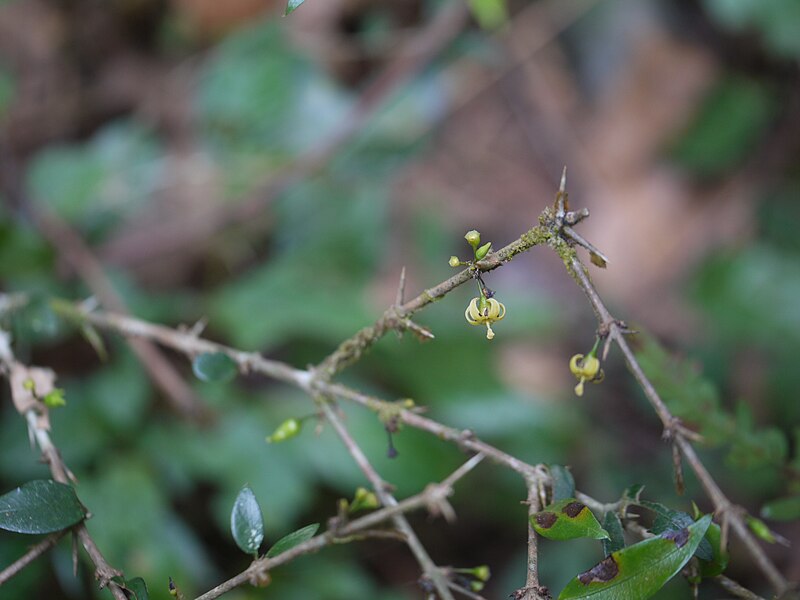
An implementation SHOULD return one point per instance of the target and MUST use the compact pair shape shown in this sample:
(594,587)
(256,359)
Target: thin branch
(387,499)
(426,498)
(31,555)
(393,318)
(104,572)
(736,589)
(532,589)
(722,505)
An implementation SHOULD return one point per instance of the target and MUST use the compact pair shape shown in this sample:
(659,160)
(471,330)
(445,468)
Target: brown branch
(381,488)
(397,317)
(736,589)
(31,555)
(103,571)
(722,505)
(532,589)
(427,498)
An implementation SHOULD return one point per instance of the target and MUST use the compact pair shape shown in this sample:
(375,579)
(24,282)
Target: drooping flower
(485,311)
(586,368)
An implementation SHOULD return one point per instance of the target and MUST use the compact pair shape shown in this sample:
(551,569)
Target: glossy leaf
(40,506)
(214,367)
(566,520)
(563,483)
(668,519)
(293,539)
(782,509)
(247,524)
(616,539)
(292,6)
(639,571)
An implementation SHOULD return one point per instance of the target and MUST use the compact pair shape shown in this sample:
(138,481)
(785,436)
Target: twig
(381,490)
(736,589)
(31,555)
(359,526)
(722,504)
(103,571)
(393,318)
(532,591)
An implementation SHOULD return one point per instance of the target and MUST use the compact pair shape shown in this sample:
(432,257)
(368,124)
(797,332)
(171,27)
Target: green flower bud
(482,572)
(286,430)
(55,398)
(473,238)
(364,500)
(476,586)
(454,262)
(483,251)
(760,529)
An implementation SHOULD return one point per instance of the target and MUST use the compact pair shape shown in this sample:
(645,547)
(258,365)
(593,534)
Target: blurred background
(273,175)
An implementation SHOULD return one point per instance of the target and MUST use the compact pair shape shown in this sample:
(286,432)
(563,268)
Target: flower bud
(454,262)
(54,398)
(286,430)
(473,238)
(483,251)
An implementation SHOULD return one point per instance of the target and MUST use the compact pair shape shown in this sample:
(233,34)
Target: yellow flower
(492,311)
(585,369)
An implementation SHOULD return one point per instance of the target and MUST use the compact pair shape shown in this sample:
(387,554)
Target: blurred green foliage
(161,490)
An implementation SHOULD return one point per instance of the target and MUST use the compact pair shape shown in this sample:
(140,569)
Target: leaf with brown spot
(638,571)
(566,520)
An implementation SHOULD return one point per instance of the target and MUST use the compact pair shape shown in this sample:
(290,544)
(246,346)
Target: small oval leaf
(668,519)
(566,520)
(247,524)
(40,506)
(563,483)
(293,539)
(214,367)
(616,539)
(638,571)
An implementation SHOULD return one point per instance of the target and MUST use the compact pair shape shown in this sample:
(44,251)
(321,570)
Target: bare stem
(362,526)
(722,504)
(31,555)
(387,499)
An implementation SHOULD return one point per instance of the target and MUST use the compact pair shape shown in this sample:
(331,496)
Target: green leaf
(136,589)
(214,367)
(639,571)
(293,539)
(247,524)
(719,560)
(566,520)
(292,6)
(632,493)
(563,483)
(40,506)
(668,519)
(782,509)
(616,539)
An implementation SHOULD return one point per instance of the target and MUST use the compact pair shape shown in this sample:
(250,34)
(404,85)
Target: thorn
(401,288)
(563,186)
